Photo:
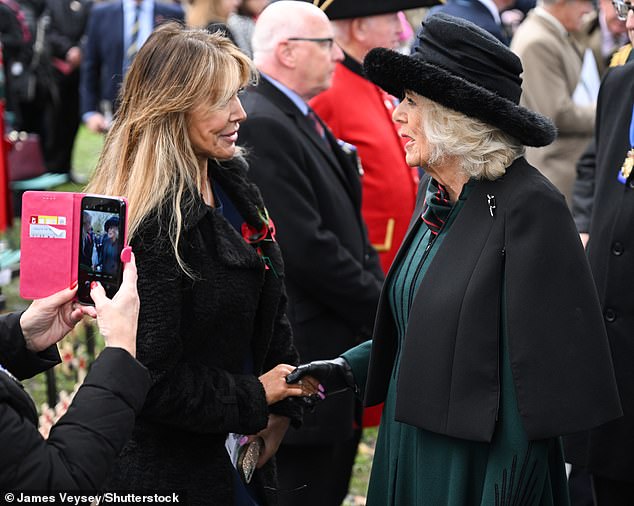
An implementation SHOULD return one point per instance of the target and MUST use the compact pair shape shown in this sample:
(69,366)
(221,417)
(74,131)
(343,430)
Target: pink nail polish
(243,440)
(321,388)
(321,395)
(93,285)
(126,254)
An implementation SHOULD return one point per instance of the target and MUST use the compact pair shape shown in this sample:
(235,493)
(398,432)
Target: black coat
(205,341)
(610,249)
(449,374)
(84,443)
(333,275)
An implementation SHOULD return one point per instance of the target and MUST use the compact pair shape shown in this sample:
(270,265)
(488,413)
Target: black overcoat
(611,255)
(515,230)
(333,274)
(83,444)
(199,337)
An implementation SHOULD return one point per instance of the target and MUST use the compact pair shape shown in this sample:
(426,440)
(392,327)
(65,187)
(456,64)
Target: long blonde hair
(148,156)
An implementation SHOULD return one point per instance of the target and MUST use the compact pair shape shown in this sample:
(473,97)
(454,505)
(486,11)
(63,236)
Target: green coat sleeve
(359,359)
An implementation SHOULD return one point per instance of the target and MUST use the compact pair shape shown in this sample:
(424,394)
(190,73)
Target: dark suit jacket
(83,445)
(334,278)
(477,13)
(611,447)
(529,253)
(102,64)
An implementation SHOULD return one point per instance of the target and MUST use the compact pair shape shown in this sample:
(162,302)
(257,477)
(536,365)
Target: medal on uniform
(626,168)
(628,164)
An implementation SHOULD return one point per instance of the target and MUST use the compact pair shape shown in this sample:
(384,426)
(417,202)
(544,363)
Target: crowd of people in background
(276,155)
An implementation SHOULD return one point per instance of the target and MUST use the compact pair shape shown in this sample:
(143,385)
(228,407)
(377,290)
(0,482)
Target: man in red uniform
(360,113)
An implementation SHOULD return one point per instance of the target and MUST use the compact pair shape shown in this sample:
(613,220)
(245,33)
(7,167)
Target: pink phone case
(49,244)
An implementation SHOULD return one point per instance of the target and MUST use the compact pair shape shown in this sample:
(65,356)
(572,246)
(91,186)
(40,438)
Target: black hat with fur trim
(463,67)
(347,9)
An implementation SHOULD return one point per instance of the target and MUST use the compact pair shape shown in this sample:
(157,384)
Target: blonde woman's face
(213,132)
(408,115)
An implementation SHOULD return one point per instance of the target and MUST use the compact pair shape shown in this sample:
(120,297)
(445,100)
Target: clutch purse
(244,454)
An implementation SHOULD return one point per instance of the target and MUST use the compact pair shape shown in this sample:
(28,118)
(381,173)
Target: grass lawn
(87,149)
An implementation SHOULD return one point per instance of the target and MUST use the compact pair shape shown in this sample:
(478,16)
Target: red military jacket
(360,113)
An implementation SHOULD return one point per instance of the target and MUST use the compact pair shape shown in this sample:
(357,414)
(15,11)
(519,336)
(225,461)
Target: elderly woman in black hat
(489,342)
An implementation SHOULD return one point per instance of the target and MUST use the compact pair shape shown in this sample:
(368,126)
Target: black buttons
(610,315)
(617,248)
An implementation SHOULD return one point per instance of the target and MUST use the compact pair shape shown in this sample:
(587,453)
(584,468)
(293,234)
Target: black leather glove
(335,375)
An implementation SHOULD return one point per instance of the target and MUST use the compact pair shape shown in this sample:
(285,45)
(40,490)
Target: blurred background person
(64,35)
(484,13)
(83,444)
(552,85)
(489,341)
(34,85)
(16,55)
(116,31)
(242,23)
(604,33)
(212,325)
(312,188)
(212,15)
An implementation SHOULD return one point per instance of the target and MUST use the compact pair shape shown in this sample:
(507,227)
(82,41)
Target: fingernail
(126,254)
(73,285)
(321,395)
(321,388)
(243,440)
(94,285)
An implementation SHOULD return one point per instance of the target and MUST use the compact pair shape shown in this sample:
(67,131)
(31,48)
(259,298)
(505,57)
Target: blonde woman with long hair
(212,318)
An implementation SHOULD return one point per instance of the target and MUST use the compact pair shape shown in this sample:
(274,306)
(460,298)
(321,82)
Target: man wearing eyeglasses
(313,194)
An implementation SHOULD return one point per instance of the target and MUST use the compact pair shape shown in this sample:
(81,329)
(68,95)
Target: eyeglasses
(622,8)
(326,42)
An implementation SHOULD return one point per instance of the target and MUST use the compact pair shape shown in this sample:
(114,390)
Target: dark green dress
(413,466)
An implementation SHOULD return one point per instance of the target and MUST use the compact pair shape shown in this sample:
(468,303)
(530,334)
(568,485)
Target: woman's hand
(118,317)
(277,389)
(49,319)
(272,437)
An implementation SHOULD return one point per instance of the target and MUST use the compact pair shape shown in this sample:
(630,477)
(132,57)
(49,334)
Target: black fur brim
(396,73)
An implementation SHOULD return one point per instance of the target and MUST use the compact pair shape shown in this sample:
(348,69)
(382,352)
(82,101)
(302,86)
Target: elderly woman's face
(213,131)
(409,116)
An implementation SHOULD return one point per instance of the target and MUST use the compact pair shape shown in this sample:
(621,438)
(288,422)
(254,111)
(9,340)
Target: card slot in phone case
(49,244)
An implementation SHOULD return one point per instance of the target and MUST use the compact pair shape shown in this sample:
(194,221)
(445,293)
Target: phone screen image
(101,241)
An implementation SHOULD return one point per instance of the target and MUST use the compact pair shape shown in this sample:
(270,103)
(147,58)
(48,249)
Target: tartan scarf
(437,207)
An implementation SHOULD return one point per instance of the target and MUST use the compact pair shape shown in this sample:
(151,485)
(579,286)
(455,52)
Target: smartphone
(101,238)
